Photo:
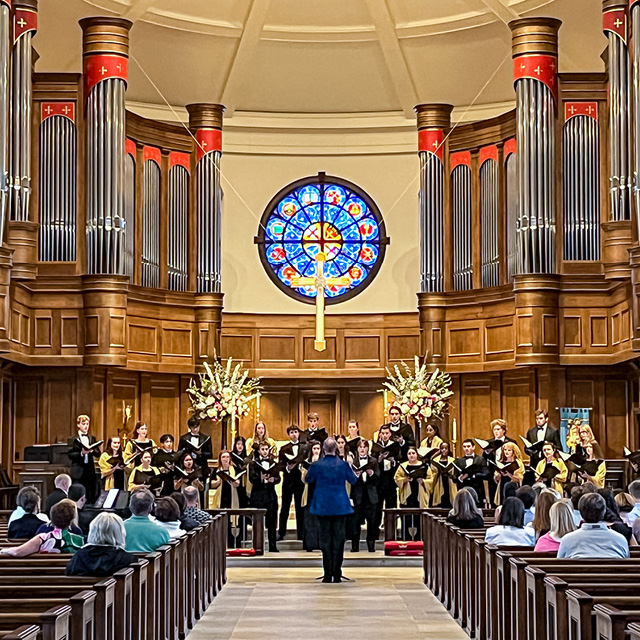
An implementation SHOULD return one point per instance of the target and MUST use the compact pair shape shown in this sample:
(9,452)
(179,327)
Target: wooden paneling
(572,331)
(275,412)
(277,349)
(237,347)
(160,404)
(28,412)
(177,342)
(362,349)
(142,339)
(367,407)
(310,355)
(599,337)
(464,342)
(616,404)
(402,347)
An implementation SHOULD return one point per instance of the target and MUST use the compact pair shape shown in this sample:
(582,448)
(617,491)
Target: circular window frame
(322,178)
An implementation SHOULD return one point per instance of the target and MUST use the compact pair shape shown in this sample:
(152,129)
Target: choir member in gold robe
(441,479)
(112,465)
(551,469)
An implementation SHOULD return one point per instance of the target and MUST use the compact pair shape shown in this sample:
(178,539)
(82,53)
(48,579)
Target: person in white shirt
(167,514)
(511,530)
(594,539)
(634,514)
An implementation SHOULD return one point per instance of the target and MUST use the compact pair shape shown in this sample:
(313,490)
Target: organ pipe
(535,53)
(634,9)
(581,182)
(614,22)
(178,221)
(129,208)
(461,214)
(205,121)
(5,54)
(57,183)
(151,217)
(489,193)
(24,25)
(434,121)
(105,54)
(511,169)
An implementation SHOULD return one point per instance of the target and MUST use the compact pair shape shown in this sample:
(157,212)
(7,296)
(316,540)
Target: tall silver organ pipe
(25,25)
(205,121)
(614,24)
(151,218)
(462,201)
(129,208)
(489,194)
(178,221)
(5,93)
(105,53)
(535,55)
(434,120)
(581,181)
(634,8)
(57,182)
(511,169)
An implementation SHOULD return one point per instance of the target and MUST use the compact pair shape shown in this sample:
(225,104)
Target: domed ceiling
(328,58)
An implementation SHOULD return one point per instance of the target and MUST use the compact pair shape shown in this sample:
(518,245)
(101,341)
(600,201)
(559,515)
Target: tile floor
(381,603)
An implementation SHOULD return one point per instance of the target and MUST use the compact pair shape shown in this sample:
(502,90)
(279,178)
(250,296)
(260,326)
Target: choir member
(364,495)
(138,443)
(343,449)
(145,476)
(441,478)
(542,432)
(226,490)
(509,468)
(83,451)
(239,453)
(491,453)
(353,437)
(191,475)
(311,538)
(264,475)
(165,460)
(112,465)
(387,453)
(594,469)
(585,437)
(260,435)
(401,432)
(473,470)
(432,439)
(413,492)
(198,445)
(551,470)
(291,456)
(313,431)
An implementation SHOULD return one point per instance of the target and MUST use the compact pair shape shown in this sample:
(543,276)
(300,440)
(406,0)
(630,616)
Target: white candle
(454,431)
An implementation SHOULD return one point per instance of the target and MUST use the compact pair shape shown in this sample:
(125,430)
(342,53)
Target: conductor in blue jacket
(331,504)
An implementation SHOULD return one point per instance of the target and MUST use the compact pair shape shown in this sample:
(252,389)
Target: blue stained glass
(324,217)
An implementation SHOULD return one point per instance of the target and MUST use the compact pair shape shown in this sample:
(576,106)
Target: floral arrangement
(418,393)
(222,392)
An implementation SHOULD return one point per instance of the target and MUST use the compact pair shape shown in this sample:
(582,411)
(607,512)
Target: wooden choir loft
(110,265)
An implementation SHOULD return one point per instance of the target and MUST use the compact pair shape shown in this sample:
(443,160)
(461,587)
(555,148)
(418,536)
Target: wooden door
(325,404)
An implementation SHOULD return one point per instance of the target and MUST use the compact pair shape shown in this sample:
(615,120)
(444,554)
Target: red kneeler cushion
(234,553)
(403,548)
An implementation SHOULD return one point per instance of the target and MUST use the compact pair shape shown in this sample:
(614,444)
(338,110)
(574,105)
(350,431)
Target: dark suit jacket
(319,435)
(202,458)
(78,464)
(551,435)
(408,436)
(53,498)
(330,495)
(262,493)
(370,486)
(493,455)
(476,482)
(295,475)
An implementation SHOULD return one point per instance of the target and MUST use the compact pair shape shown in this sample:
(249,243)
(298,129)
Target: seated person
(104,552)
(634,514)
(511,530)
(625,502)
(80,526)
(594,539)
(188,524)
(528,496)
(27,523)
(167,515)
(562,522)
(541,522)
(143,534)
(192,510)
(58,540)
(61,482)
(465,512)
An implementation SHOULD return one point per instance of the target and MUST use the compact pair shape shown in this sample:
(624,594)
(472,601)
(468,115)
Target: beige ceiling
(322,57)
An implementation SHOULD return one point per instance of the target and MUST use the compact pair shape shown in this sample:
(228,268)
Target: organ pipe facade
(205,122)
(535,53)
(105,56)
(434,122)
(461,202)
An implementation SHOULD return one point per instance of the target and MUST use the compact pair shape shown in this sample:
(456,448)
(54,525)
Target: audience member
(167,515)
(143,534)
(186,523)
(27,521)
(465,512)
(561,522)
(613,518)
(104,552)
(541,522)
(61,483)
(192,509)
(624,501)
(634,514)
(528,497)
(511,530)
(576,493)
(58,540)
(594,539)
(509,492)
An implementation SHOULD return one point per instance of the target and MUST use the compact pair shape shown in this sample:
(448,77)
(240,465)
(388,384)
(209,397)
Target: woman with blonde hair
(260,435)
(510,457)
(541,522)
(561,522)
(594,469)
(551,463)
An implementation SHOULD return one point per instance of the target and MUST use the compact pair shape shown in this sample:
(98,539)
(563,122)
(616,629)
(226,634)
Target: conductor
(331,504)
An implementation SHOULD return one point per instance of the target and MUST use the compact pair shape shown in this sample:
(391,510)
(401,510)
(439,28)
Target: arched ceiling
(328,59)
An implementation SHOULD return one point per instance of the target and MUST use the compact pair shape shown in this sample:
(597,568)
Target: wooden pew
(53,623)
(25,632)
(582,614)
